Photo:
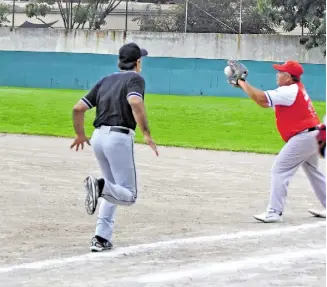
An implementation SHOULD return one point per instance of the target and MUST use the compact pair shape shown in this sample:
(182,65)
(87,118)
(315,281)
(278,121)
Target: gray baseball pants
(300,150)
(114,152)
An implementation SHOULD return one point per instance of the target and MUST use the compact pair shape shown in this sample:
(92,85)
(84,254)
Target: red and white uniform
(296,120)
(293,108)
(295,115)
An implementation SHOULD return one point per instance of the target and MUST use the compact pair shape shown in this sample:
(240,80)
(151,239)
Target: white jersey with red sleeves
(293,108)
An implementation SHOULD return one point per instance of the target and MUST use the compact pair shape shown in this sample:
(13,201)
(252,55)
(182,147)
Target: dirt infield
(191,226)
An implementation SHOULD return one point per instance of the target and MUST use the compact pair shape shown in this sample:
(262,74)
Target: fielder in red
(321,138)
(299,126)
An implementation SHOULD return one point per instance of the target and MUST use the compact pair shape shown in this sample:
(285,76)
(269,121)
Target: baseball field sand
(191,226)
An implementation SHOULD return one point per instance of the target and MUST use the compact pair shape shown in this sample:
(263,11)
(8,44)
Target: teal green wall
(162,75)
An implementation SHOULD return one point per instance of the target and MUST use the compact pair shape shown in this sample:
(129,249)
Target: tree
(208,16)
(157,20)
(100,9)
(74,16)
(254,21)
(155,1)
(317,36)
(309,14)
(37,10)
(5,10)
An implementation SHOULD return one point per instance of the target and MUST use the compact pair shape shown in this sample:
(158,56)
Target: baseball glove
(239,72)
(321,138)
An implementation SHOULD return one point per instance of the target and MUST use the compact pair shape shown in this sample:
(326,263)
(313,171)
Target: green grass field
(197,122)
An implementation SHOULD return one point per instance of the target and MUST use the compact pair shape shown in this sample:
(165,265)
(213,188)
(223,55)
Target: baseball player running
(119,102)
(298,125)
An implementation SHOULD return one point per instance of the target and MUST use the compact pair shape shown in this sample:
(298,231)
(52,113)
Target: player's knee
(279,168)
(277,173)
(132,201)
(275,169)
(133,197)
(133,191)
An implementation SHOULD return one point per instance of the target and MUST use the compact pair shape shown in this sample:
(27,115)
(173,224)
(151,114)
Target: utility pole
(186,15)
(240,24)
(13,14)
(126,14)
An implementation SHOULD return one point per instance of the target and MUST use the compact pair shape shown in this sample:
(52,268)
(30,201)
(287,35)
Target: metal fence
(133,15)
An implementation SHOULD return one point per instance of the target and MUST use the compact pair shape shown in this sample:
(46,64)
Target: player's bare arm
(255,94)
(139,112)
(78,121)
(138,109)
(78,118)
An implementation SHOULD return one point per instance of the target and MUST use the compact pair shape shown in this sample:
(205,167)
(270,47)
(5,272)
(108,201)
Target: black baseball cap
(130,53)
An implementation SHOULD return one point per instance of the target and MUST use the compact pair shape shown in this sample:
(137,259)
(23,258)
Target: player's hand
(237,72)
(79,142)
(149,141)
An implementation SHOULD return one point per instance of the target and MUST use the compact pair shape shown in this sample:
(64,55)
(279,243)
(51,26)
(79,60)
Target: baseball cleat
(97,246)
(269,217)
(92,194)
(316,213)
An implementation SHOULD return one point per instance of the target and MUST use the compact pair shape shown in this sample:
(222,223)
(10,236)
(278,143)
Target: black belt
(118,130)
(313,129)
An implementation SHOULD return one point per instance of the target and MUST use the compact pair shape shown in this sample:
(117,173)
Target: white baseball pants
(300,150)
(114,152)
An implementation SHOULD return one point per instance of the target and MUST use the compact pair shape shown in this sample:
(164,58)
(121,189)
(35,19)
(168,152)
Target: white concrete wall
(208,46)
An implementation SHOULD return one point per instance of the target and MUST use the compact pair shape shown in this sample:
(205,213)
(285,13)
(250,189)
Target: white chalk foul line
(202,271)
(143,248)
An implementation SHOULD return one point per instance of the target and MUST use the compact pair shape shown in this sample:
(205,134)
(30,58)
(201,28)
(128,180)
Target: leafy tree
(309,14)
(208,16)
(37,10)
(154,1)
(254,21)
(158,20)
(5,10)
(317,36)
(100,9)
(74,16)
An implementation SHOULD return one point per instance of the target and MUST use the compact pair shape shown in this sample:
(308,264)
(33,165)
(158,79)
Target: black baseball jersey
(109,96)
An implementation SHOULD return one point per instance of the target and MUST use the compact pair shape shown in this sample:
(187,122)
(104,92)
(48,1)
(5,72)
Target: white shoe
(317,213)
(269,217)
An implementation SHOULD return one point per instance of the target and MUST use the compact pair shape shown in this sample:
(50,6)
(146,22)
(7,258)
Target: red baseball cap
(292,67)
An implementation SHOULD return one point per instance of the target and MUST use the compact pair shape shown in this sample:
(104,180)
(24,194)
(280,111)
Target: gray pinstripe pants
(114,152)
